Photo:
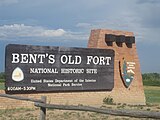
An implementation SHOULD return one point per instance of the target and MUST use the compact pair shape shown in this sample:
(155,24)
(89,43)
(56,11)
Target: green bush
(108,100)
(2,77)
(151,79)
(2,80)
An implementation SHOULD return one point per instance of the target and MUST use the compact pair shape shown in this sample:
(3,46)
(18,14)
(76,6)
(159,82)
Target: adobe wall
(134,94)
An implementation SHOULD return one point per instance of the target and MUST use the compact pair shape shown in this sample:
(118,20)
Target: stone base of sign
(134,94)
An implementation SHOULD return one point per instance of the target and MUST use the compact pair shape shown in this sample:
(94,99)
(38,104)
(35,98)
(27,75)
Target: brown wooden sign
(32,69)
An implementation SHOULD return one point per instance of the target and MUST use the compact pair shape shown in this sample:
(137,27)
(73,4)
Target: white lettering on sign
(64,59)
(32,58)
(98,60)
(70,60)
(131,67)
(64,70)
(91,71)
(43,70)
(15,58)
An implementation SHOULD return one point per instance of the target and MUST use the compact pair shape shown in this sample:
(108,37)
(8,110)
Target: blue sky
(69,22)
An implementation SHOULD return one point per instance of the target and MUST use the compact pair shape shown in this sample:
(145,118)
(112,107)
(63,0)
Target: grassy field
(2,86)
(33,114)
(152,94)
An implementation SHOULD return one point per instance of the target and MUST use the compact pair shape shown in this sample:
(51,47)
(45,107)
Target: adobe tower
(128,86)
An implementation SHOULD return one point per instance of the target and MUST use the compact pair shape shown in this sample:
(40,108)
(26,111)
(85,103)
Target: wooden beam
(130,113)
(43,109)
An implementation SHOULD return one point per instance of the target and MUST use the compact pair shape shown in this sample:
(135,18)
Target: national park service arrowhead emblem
(127,71)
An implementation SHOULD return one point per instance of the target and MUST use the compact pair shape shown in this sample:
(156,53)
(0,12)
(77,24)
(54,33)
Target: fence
(43,105)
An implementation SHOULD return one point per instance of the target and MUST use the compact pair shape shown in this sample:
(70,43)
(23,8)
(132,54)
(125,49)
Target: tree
(151,79)
(2,77)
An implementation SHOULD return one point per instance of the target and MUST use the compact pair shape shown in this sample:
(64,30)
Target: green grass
(152,94)
(149,82)
(2,87)
(2,80)
(18,114)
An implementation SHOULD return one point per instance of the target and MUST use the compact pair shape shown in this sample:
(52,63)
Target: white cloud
(14,31)
(130,22)
(77,35)
(127,24)
(138,16)
(52,33)
(21,30)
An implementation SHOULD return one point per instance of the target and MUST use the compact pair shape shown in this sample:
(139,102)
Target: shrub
(2,77)
(108,100)
(151,79)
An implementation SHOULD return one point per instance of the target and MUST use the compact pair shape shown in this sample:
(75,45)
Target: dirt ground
(33,114)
